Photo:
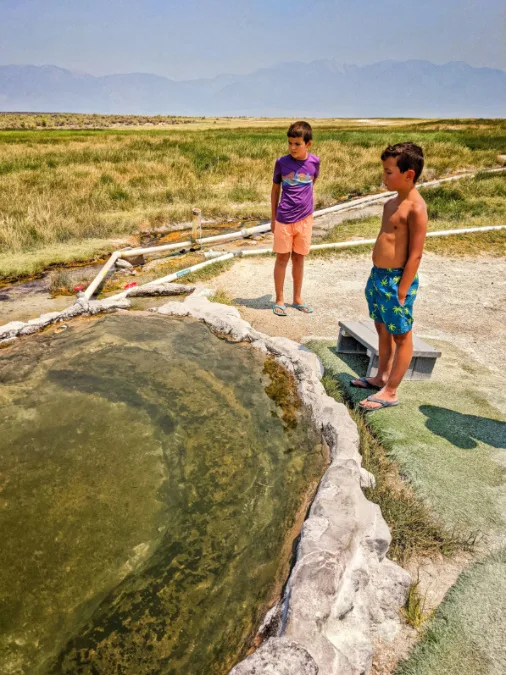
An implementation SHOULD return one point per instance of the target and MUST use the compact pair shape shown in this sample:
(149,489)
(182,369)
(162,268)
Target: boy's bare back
(402,217)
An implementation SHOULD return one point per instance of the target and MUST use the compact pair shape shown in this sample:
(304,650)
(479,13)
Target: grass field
(74,189)
(467,635)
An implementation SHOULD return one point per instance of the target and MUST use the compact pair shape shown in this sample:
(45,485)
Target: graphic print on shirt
(296,178)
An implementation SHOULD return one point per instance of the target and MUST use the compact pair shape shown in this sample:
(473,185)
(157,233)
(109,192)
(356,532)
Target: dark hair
(300,130)
(408,156)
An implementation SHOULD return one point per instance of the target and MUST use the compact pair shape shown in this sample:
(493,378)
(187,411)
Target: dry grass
(222,297)
(66,187)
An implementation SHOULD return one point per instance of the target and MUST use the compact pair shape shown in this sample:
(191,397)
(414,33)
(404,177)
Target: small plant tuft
(414,609)
(222,297)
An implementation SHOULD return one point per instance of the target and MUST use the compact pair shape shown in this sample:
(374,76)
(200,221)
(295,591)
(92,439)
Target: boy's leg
(402,359)
(279,276)
(386,352)
(301,243)
(298,275)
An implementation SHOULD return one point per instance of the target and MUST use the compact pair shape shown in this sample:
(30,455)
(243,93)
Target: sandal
(279,310)
(303,308)
(366,384)
(381,401)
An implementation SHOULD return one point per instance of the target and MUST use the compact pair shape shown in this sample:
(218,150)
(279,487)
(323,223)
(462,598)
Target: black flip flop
(382,402)
(364,380)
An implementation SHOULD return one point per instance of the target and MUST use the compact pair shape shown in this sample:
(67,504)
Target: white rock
(11,329)
(222,318)
(203,292)
(278,656)
(367,480)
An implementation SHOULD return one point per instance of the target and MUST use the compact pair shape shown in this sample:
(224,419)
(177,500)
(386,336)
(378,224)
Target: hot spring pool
(150,492)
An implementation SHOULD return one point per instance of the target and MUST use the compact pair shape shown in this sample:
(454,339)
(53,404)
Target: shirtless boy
(392,286)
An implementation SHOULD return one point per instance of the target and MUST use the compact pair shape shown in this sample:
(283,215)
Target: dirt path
(461,300)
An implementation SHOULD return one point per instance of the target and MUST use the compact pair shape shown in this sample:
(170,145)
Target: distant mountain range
(318,89)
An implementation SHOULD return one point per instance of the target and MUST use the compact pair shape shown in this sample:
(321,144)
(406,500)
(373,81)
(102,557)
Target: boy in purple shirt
(292,217)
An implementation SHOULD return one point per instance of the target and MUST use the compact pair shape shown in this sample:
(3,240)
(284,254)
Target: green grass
(467,635)
(67,186)
(414,609)
(444,438)
(33,262)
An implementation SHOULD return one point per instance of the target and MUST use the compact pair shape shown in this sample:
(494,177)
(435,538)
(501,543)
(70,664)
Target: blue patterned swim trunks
(383,300)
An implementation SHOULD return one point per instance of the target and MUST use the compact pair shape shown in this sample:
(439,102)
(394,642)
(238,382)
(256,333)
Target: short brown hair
(408,156)
(300,130)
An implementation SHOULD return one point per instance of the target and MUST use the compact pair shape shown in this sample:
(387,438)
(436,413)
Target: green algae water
(149,496)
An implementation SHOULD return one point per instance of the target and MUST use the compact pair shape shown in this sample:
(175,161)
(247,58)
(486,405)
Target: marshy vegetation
(71,193)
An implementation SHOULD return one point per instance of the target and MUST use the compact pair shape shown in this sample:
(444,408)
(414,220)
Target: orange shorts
(293,236)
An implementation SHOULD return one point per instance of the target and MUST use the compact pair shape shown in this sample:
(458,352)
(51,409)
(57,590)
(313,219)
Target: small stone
(124,264)
(367,480)
(135,260)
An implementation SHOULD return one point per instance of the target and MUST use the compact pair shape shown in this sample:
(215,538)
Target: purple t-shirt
(296,177)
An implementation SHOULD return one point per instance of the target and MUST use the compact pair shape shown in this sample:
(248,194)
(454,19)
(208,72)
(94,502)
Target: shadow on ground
(463,430)
(262,302)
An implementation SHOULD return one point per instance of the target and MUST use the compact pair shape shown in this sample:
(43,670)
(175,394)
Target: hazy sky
(185,39)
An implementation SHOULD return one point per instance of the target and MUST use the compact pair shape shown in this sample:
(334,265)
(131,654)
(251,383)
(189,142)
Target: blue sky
(187,39)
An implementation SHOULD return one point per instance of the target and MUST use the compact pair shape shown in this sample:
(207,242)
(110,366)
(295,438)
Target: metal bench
(360,337)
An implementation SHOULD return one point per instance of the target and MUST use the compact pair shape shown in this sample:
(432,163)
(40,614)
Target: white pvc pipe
(154,249)
(101,275)
(465,230)
(345,206)
(385,195)
(194,268)
(364,242)
(246,232)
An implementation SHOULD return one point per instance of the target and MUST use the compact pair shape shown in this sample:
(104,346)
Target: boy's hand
(273,225)
(402,298)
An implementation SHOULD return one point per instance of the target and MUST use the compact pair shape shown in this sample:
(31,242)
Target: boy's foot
(304,308)
(381,400)
(366,383)
(279,310)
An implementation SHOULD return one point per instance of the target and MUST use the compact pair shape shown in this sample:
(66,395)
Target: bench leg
(346,344)
(372,368)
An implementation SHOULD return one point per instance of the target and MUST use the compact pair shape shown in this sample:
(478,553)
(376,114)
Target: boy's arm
(417,224)
(275,192)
